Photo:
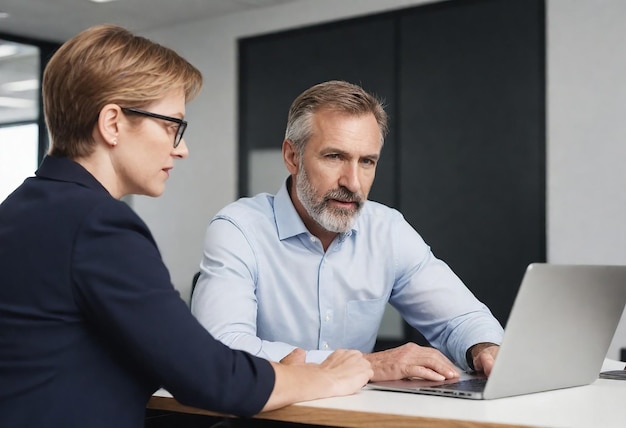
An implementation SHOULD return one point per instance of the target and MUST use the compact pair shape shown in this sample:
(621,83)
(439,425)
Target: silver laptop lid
(559,330)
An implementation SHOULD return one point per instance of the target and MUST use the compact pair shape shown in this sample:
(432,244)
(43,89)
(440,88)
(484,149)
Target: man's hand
(411,360)
(483,356)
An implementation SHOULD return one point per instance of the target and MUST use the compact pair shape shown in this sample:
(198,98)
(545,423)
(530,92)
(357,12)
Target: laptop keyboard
(474,385)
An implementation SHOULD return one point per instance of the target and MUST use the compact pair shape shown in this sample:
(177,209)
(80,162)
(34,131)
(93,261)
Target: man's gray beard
(337,220)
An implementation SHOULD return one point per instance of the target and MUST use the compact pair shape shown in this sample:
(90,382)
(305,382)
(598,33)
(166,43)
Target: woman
(90,325)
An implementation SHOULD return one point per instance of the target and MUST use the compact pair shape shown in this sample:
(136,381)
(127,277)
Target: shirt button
(327,318)
(313,239)
(325,345)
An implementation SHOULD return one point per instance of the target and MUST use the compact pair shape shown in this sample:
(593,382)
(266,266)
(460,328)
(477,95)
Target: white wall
(586,122)
(586,133)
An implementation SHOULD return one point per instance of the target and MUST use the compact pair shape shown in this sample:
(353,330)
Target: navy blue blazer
(90,324)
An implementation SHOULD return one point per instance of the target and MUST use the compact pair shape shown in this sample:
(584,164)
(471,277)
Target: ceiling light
(7,50)
(101,1)
(16,102)
(21,85)
(4,15)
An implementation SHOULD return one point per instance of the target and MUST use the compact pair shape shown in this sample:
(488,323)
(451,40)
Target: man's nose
(350,177)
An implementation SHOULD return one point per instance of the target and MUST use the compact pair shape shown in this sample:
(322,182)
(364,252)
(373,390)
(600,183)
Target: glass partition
(19,113)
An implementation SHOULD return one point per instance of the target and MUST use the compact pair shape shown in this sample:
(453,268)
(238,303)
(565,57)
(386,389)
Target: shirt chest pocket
(363,319)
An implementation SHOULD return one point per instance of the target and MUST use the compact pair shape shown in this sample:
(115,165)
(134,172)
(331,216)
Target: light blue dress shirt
(267,286)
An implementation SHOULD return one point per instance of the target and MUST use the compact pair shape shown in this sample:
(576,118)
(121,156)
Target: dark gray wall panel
(472,140)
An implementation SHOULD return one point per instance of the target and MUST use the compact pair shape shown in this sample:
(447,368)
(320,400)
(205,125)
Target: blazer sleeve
(125,292)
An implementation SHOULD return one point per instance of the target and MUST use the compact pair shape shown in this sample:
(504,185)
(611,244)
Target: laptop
(557,335)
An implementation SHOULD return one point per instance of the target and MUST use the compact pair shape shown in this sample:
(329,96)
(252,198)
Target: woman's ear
(108,126)
(290,157)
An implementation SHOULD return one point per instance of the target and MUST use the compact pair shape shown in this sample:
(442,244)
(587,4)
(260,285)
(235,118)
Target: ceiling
(58,20)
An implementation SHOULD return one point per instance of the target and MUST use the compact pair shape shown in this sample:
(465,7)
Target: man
(314,266)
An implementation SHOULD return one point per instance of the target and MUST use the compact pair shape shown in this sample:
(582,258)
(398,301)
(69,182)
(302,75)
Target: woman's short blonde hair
(106,64)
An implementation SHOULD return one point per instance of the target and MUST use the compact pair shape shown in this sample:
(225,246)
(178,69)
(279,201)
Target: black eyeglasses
(182,124)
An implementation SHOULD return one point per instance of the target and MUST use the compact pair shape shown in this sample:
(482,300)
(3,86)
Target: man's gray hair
(334,95)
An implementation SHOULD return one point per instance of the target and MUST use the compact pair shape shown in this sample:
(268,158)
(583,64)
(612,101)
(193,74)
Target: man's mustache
(344,195)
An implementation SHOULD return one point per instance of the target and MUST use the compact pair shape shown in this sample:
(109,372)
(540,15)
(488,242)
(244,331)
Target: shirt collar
(288,220)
